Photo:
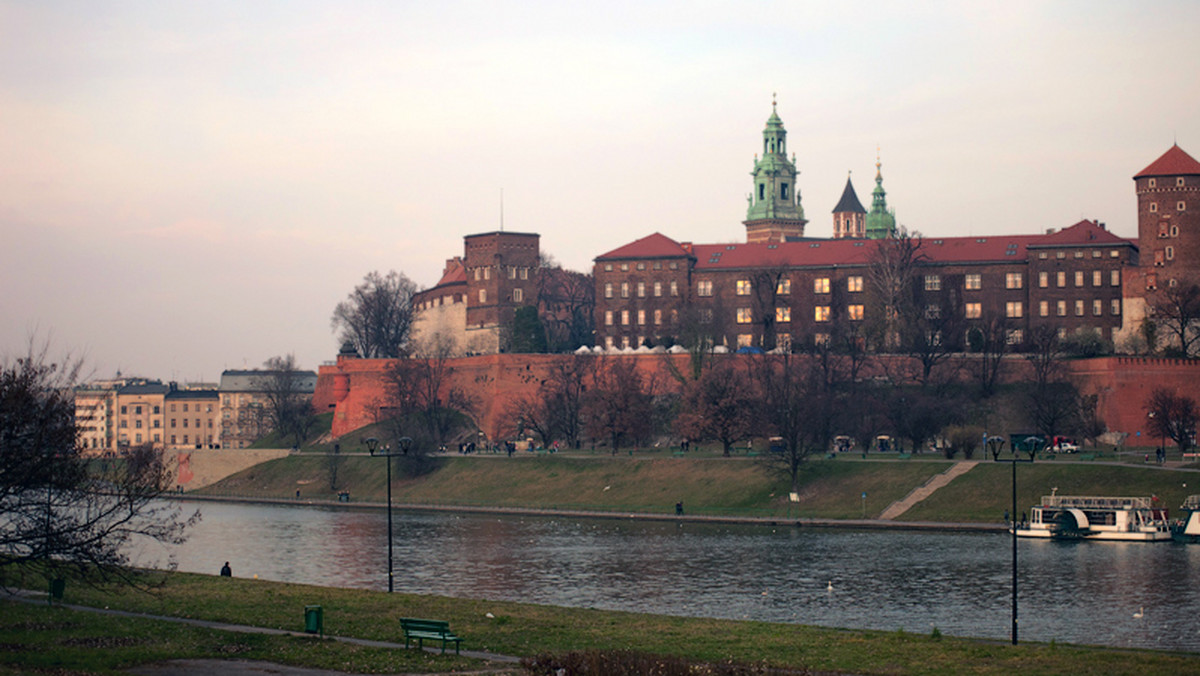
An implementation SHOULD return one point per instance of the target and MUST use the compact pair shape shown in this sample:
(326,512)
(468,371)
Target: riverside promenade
(796,522)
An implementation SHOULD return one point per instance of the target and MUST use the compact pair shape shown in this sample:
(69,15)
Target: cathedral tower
(775,214)
(881,222)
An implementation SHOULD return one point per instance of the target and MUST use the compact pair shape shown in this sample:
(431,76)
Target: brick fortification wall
(1124,385)
(353,388)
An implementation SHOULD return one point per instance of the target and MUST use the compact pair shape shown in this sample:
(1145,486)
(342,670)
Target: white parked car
(1065,447)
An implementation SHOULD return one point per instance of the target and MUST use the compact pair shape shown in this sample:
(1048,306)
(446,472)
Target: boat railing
(1088,502)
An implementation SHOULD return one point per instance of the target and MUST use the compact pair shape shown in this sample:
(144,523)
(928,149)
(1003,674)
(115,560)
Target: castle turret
(774,214)
(1168,195)
(849,216)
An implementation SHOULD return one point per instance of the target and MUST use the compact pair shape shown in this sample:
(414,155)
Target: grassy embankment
(40,639)
(653,483)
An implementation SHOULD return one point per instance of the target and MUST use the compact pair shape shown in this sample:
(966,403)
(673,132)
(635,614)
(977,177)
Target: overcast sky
(187,187)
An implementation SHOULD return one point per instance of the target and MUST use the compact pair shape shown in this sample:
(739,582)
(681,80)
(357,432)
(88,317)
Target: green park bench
(904,456)
(434,630)
(1088,456)
(831,456)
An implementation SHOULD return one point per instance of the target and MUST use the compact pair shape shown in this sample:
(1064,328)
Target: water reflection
(959,583)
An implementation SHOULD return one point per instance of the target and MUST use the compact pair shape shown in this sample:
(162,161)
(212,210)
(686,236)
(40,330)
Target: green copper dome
(775,195)
(881,221)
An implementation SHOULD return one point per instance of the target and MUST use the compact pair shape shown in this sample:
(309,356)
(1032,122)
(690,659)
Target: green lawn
(100,644)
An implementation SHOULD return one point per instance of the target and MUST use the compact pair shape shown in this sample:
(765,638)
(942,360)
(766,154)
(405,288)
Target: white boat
(1187,527)
(1067,517)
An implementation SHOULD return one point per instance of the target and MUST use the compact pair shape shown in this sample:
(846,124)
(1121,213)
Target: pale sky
(187,187)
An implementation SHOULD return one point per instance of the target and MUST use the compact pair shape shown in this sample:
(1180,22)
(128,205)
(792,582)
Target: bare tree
(422,400)
(798,404)
(1053,402)
(717,406)
(564,392)
(530,412)
(288,398)
(1176,308)
(58,511)
(1173,416)
(618,403)
(990,341)
(377,317)
(766,286)
(567,306)
(891,276)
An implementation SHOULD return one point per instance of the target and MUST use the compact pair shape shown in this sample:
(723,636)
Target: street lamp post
(996,445)
(404,444)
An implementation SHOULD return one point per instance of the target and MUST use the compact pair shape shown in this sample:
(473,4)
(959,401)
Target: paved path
(927,489)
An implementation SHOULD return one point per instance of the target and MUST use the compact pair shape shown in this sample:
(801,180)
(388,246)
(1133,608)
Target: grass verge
(829,489)
(100,644)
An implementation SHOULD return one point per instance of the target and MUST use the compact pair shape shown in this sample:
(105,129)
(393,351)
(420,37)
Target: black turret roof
(849,201)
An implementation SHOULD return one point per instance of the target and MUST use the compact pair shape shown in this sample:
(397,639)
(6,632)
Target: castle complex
(782,288)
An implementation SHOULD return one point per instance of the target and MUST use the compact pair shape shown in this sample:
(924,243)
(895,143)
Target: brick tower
(502,272)
(849,216)
(1168,194)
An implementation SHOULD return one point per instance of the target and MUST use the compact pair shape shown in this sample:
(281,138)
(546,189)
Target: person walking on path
(226,571)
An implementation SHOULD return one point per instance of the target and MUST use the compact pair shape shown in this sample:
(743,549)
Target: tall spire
(774,213)
(881,222)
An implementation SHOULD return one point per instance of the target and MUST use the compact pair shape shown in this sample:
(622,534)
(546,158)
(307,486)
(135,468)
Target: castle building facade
(779,287)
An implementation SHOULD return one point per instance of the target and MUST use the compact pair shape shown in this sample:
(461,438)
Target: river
(960,583)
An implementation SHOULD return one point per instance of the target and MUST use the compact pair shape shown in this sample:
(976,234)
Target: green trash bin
(57,587)
(314,620)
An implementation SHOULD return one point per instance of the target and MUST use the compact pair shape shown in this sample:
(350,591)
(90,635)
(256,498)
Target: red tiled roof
(455,273)
(825,253)
(1174,162)
(1083,232)
(657,245)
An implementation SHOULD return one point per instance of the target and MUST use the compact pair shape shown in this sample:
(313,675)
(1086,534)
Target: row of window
(485,273)
(672,287)
(1179,206)
(854,284)
(1060,278)
(208,408)
(625,316)
(187,441)
(1178,182)
(823,313)
(658,265)
(185,423)
(1112,253)
(783,287)
(518,296)
(1060,308)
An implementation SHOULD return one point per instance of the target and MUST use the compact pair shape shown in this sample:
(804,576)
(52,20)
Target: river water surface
(1083,592)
